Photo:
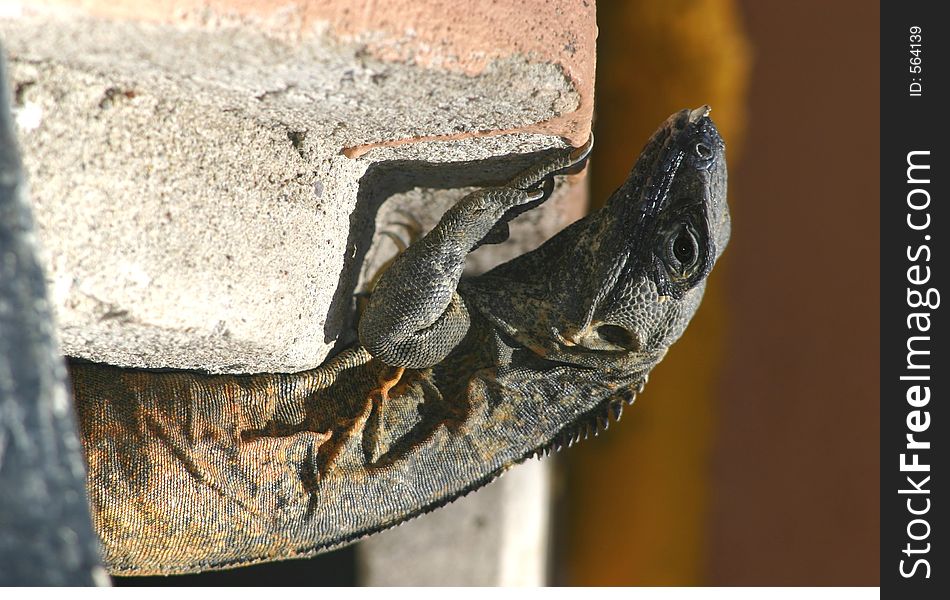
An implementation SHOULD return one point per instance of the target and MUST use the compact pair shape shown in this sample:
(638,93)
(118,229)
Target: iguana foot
(563,163)
(539,184)
(388,378)
(376,427)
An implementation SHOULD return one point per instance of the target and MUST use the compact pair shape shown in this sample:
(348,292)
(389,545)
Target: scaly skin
(455,381)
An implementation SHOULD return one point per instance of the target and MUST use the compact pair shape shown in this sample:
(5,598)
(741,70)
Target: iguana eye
(703,151)
(684,247)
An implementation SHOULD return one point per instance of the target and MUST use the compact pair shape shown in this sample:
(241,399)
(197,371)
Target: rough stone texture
(497,536)
(206,176)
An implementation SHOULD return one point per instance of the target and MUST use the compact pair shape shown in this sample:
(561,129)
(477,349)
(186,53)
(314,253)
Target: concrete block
(209,177)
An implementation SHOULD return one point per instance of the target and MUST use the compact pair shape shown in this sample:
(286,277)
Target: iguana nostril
(618,336)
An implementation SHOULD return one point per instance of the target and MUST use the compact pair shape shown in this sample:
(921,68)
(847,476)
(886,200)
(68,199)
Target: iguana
(453,382)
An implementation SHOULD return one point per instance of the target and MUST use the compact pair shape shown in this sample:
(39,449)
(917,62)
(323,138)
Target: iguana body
(455,381)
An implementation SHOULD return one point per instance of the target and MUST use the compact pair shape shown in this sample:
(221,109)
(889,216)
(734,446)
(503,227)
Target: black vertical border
(913,123)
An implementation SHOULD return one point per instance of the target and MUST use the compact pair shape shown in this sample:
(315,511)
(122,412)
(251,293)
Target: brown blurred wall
(796,469)
(752,456)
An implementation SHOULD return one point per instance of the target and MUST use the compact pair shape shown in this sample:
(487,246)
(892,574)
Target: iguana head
(616,289)
(649,250)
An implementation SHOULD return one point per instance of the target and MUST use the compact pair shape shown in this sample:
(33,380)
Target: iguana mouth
(607,359)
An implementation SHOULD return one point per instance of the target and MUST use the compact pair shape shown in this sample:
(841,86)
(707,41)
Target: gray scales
(454,380)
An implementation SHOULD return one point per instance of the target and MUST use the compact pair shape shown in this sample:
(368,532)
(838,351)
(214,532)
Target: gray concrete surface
(191,193)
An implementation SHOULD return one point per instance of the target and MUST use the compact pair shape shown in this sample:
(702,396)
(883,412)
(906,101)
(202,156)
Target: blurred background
(752,457)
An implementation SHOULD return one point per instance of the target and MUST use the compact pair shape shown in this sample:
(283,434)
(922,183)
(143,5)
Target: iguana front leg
(415,317)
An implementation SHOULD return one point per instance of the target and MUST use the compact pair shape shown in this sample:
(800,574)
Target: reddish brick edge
(444,34)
